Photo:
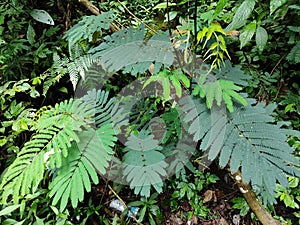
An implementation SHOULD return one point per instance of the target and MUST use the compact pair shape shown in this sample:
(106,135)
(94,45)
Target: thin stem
(121,200)
(150,28)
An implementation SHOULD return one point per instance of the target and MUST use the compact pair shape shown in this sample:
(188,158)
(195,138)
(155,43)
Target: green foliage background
(56,148)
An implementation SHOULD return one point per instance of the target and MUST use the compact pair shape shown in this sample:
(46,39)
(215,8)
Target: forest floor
(216,198)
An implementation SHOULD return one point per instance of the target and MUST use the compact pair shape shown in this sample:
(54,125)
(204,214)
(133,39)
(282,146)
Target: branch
(264,217)
(124,6)
(279,61)
(91,7)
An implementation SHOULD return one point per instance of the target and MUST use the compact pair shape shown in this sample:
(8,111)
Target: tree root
(264,217)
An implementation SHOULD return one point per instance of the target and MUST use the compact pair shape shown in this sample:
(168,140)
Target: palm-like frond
(56,128)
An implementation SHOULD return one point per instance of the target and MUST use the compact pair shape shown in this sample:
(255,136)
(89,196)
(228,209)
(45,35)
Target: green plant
(177,79)
(290,196)
(16,115)
(25,45)
(189,187)
(272,70)
(60,124)
(289,107)
(218,47)
(148,209)
(241,204)
(36,213)
(74,140)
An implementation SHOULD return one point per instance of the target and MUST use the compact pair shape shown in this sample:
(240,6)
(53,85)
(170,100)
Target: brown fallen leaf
(209,195)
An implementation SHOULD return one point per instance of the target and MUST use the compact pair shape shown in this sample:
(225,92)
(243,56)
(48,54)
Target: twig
(121,200)
(154,31)
(279,61)
(272,71)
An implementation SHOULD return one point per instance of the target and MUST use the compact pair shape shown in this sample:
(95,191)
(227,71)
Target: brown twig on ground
(91,7)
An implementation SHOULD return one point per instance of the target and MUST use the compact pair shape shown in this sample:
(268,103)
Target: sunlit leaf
(202,34)
(261,37)
(7,210)
(275,4)
(220,5)
(247,33)
(41,16)
(241,15)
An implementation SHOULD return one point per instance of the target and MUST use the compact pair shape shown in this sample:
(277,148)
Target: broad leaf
(247,33)
(261,38)
(275,4)
(241,15)
(30,34)
(41,16)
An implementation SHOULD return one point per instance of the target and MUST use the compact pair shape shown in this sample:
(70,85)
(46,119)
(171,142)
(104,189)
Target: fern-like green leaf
(88,26)
(173,122)
(26,172)
(56,128)
(101,105)
(224,86)
(232,73)
(219,91)
(54,74)
(144,163)
(294,55)
(96,146)
(166,78)
(71,179)
(92,152)
(249,141)
(115,52)
(76,65)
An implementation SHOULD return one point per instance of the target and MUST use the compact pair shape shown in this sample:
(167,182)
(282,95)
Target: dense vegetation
(180,110)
